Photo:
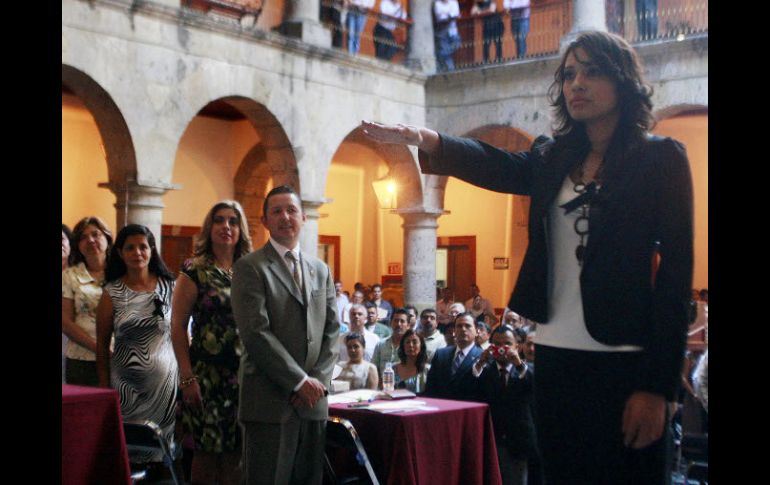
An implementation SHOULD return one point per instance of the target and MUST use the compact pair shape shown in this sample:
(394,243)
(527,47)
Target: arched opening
(370,238)
(96,149)
(234,148)
(496,222)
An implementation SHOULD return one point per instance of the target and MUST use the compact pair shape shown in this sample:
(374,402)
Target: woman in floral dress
(208,363)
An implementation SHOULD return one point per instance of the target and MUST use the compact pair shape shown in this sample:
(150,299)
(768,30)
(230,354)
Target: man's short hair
(281,189)
(401,311)
(480,324)
(428,310)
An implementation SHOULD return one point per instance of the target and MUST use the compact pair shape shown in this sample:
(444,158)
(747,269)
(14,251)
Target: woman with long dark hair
(209,362)
(136,307)
(608,268)
(412,372)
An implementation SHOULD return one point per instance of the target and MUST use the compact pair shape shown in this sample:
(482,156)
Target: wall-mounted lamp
(386,191)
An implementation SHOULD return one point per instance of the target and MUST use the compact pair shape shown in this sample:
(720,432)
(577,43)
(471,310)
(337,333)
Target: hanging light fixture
(386,191)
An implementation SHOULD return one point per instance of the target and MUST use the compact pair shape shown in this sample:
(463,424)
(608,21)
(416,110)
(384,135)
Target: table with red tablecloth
(454,444)
(92,440)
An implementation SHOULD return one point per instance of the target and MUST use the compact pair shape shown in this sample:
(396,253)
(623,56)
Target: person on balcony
(385,46)
(647,18)
(356,21)
(445,32)
(518,10)
(492,26)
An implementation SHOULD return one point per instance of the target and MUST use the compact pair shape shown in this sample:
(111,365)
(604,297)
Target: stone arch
(116,137)
(270,159)
(402,166)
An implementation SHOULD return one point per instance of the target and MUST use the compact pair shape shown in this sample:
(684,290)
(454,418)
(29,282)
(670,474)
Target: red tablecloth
(453,445)
(93,445)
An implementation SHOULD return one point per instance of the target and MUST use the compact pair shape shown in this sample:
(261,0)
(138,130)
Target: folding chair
(147,437)
(341,435)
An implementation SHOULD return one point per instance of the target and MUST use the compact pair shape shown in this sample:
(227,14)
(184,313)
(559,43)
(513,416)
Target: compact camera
(496,351)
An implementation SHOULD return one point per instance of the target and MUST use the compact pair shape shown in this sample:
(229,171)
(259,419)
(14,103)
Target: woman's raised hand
(398,134)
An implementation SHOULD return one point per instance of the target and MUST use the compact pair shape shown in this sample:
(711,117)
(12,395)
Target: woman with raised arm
(209,363)
(609,202)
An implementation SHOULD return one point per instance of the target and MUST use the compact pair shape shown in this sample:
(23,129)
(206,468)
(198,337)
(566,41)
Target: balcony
(549,21)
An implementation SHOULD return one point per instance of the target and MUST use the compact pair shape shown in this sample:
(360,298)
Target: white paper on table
(357,395)
(401,405)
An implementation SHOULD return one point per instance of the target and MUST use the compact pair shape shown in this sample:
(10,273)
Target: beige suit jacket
(286,334)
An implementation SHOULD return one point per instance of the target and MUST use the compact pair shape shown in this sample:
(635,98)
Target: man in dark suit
(284,305)
(505,383)
(450,375)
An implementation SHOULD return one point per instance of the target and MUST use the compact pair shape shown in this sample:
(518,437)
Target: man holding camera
(505,383)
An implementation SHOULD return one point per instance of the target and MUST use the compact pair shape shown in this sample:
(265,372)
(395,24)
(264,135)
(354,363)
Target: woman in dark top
(209,362)
(608,267)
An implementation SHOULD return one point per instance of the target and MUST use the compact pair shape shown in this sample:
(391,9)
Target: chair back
(341,434)
(146,437)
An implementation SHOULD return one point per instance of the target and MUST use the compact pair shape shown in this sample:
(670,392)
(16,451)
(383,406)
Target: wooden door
(177,245)
(329,252)
(461,264)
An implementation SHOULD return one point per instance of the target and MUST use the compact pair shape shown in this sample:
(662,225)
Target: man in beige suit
(284,306)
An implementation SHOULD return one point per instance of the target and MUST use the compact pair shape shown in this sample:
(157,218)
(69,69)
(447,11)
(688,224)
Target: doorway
(176,245)
(460,263)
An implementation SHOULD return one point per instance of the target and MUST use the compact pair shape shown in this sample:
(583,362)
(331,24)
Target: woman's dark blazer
(640,219)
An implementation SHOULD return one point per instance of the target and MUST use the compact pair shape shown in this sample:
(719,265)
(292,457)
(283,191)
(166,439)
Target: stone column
(303,22)
(308,241)
(421,51)
(140,203)
(586,15)
(420,226)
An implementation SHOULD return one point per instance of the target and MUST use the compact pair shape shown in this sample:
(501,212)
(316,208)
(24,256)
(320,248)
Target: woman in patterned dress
(209,363)
(136,306)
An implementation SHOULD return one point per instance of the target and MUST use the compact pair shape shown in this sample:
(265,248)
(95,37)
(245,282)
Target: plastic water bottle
(388,377)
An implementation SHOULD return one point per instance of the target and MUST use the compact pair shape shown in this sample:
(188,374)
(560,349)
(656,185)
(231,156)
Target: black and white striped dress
(143,367)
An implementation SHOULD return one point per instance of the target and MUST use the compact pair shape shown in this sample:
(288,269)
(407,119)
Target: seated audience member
(412,311)
(382,331)
(479,305)
(357,297)
(450,375)
(355,370)
(387,349)
(342,302)
(384,307)
(442,308)
(357,325)
(412,372)
(482,334)
(505,383)
(511,318)
(429,331)
(455,309)
(529,349)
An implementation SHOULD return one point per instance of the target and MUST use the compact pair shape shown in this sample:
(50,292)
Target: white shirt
(567,327)
(363,4)
(446,10)
(342,303)
(392,8)
(509,4)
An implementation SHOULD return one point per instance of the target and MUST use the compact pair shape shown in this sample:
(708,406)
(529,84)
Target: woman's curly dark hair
(617,60)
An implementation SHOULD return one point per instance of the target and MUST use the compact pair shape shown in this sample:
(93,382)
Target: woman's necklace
(583,203)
